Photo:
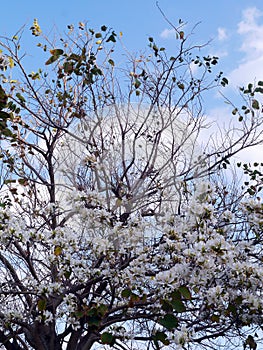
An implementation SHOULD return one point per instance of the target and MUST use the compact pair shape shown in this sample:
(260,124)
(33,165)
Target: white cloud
(247,72)
(222,34)
(251,31)
(167,33)
(248,22)
(250,65)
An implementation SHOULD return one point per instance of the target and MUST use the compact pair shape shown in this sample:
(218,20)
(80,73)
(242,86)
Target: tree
(115,228)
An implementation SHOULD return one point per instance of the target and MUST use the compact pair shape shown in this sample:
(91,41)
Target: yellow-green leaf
(57,250)
(111,62)
(36,30)
(56,52)
(11,62)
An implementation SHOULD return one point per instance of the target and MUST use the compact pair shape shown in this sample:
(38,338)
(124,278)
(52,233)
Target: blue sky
(235,27)
(138,19)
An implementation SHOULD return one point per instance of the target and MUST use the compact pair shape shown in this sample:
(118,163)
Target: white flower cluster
(153,257)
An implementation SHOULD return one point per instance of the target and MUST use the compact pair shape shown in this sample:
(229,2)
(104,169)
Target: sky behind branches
(234,29)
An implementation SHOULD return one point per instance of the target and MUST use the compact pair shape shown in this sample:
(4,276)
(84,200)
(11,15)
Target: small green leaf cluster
(253,104)
(93,315)
(255,174)
(5,117)
(155,48)
(206,61)
(174,303)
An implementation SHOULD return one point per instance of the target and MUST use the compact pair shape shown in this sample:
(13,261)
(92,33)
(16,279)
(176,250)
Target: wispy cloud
(248,23)
(250,30)
(222,34)
(167,33)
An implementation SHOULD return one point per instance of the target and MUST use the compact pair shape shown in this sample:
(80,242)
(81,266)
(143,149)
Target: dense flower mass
(185,266)
(116,228)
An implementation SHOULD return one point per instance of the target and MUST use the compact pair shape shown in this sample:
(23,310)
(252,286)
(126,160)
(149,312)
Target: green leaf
(134,298)
(3,98)
(180,85)
(260,83)
(215,318)
(126,293)
(103,28)
(94,321)
(162,337)
(21,98)
(224,82)
(23,182)
(68,67)
(79,314)
(235,110)
(98,35)
(176,295)
(111,62)
(259,89)
(34,76)
(137,83)
(4,115)
(56,52)
(67,274)
(7,132)
(166,305)
(52,59)
(178,305)
(185,292)
(41,304)
(169,321)
(9,181)
(107,338)
(102,309)
(255,104)
(75,57)
(96,71)
(111,38)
